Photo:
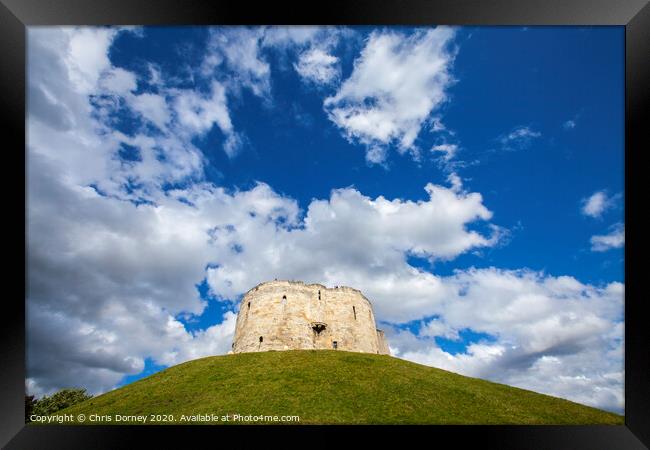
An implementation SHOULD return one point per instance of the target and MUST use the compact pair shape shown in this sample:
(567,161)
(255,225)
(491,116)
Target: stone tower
(292,315)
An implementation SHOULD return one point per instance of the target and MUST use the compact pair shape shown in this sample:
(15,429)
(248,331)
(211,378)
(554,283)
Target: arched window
(354,310)
(261,339)
(249,305)
(318,295)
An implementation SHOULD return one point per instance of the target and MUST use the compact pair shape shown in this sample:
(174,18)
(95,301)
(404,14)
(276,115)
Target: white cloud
(553,335)
(598,203)
(313,45)
(214,340)
(233,144)
(98,353)
(198,113)
(438,327)
(396,84)
(119,81)
(317,66)
(519,138)
(61,79)
(437,125)
(614,239)
(293,35)
(86,56)
(448,150)
(82,67)
(376,154)
(569,124)
(123,272)
(239,47)
(60,122)
(153,107)
(380,233)
(155,75)
(455,181)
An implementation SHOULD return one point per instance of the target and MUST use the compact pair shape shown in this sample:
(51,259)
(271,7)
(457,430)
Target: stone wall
(283,315)
(383,343)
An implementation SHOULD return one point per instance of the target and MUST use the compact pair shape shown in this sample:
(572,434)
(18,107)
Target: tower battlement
(292,315)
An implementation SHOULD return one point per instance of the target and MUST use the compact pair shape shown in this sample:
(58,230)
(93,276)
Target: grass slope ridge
(330,387)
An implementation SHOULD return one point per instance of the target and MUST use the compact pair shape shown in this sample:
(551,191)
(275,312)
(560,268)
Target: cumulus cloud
(569,124)
(397,82)
(65,94)
(239,49)
(599,202)
(60,113)
(614,239)
(118,81)
(106,286)
(236,58)
(519,138)
(381,234)
(313,46)
(437,125)
(551,334)
(123,272)
(295,35)
(198,113)
(317,66)
(153,107)
(86,57)
(448,151)
(182,114)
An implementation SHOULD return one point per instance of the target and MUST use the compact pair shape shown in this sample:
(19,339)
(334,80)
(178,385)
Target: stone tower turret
(292,315)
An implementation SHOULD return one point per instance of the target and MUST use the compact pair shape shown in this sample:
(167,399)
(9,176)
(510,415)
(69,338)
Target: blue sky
(507,77)
(469,180)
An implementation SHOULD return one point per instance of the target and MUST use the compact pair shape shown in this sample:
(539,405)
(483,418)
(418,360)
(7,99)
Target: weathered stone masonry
(292,315)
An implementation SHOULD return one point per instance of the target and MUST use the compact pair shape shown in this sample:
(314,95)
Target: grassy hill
(328,387)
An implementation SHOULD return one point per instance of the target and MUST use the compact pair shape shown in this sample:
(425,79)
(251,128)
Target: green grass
(335,387)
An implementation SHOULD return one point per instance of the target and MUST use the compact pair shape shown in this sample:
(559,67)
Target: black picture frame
(16,15)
